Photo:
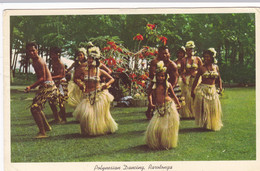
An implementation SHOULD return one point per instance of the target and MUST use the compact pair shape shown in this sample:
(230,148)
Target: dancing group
(88,92)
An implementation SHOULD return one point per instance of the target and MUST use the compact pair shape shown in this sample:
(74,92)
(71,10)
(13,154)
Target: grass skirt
(162,131)
(183,111)
(187,109)
(207,107)
(96,119)
(74,93)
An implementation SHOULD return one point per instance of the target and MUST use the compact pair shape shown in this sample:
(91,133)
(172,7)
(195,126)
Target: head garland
(94,52)
(160,67)
(213,51)
(83,50)
(190,45)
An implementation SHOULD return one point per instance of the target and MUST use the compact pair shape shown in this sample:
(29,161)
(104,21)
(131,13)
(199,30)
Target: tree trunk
(241,54)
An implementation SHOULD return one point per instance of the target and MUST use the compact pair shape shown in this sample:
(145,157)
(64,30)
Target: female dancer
(189,68)
(162,131)
(179,86)
(93,112)
(207,106)
(74,93)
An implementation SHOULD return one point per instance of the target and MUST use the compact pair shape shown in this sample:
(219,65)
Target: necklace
(161,112)
(92,98)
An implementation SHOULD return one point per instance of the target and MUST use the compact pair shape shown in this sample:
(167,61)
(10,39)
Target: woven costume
(162,131)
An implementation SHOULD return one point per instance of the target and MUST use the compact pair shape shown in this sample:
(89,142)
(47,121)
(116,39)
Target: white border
(115,8)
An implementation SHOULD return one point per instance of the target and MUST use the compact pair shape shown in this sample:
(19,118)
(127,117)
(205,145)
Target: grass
(235,141)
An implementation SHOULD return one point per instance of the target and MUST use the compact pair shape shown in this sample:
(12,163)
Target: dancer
(74,92)
(47,90)
(93,112)
(162,131)
(189,69)
(207,105)
(178,89)
(163,55)
(58,76)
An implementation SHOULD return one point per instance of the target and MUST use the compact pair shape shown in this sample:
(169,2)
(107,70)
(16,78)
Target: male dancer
(58,76)
(47,90)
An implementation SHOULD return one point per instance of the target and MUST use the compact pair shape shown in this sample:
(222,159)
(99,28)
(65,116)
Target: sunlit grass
(235,141)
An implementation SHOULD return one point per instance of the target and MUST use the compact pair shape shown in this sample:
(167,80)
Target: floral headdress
(83,50)
(94,52)
(214,53)
(160,68)
(190,44)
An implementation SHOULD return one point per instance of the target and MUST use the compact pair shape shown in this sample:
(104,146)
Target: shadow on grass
(131,121)
(193,130)
(187,119)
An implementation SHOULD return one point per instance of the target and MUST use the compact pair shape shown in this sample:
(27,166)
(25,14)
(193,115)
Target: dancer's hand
(27,89)
(104,86)
(152,106)
(178,106)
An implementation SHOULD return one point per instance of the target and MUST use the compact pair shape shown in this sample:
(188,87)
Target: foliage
(235,141)
(231,34)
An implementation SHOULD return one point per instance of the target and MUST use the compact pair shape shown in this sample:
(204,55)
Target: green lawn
(235,141)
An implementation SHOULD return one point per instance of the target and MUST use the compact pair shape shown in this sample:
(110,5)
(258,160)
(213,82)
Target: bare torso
(41,70)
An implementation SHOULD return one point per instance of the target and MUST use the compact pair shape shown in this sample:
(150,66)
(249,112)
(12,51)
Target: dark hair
(31,44)
(97,62)
(180,50)
(165,74)
(161,48)
(55,50)
(210,54)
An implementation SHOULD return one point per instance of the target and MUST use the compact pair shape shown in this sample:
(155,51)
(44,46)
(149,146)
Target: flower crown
(190,44)
(183,48)
(160,67)
(83,50)
(94,52)
(213,51)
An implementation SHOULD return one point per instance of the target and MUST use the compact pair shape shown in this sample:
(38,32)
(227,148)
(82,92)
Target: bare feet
(41,135)
(48,128)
